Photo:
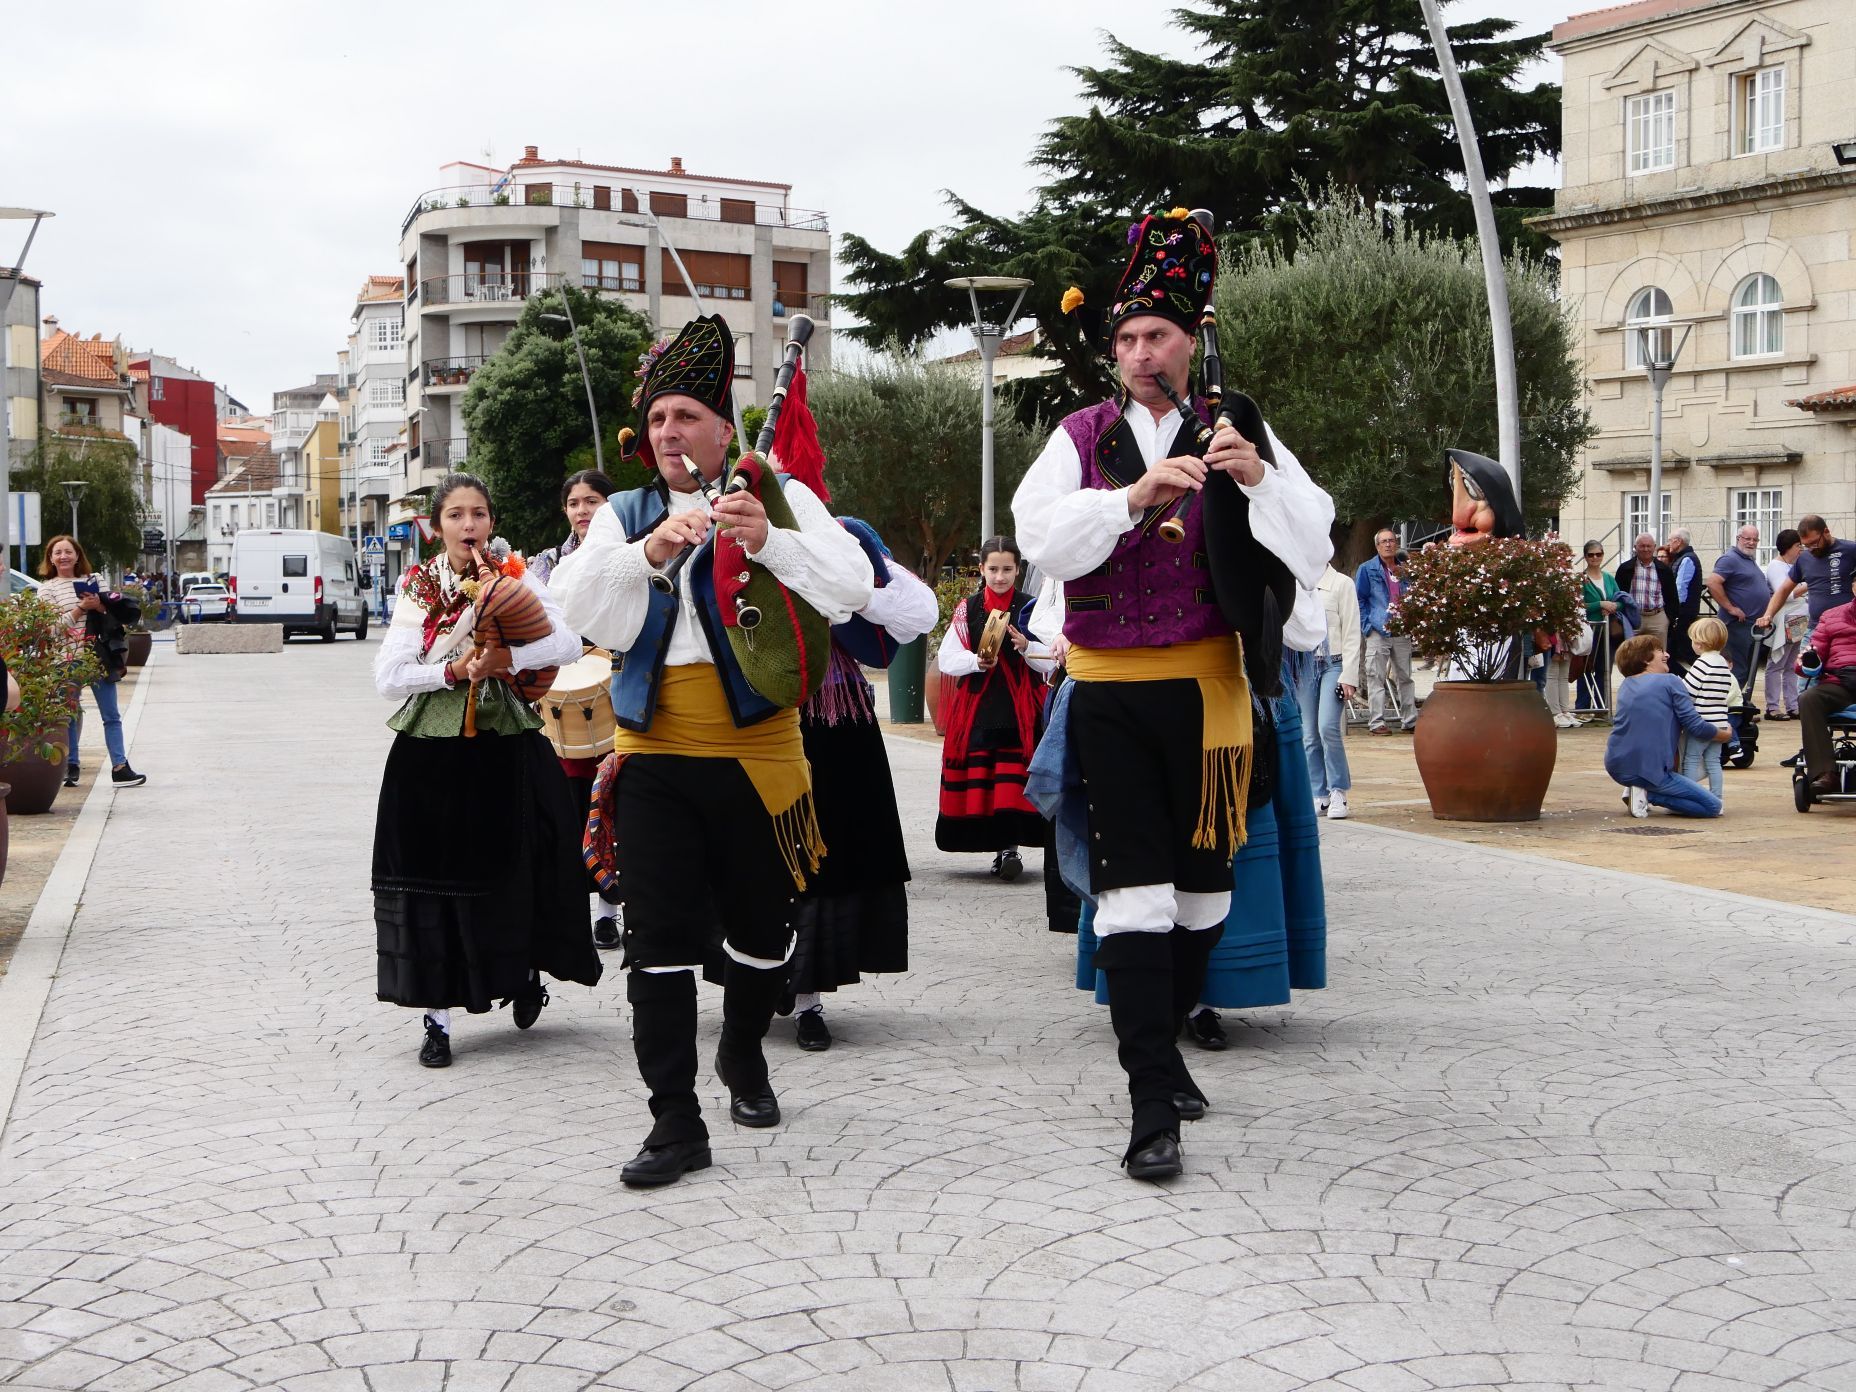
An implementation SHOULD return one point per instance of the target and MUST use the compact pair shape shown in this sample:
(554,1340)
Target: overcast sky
(226,174)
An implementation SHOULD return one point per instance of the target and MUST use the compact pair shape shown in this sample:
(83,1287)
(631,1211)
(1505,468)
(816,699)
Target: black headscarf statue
(1482,502)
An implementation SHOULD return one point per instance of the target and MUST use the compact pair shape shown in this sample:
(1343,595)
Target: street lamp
(1659,359)
(573,330)
(7,285)
(989,334)
(73,489)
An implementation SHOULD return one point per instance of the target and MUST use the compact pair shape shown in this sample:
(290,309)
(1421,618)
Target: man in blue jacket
(1388,658)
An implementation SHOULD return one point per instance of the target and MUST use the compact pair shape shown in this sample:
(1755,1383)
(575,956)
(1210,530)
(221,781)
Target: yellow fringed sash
(1217,665)
(692,719)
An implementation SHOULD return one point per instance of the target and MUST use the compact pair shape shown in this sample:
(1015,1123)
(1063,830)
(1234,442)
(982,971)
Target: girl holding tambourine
(992,719)
(478,885)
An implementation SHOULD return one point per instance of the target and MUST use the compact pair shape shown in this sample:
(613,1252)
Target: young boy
(1652,706)
(1711,685)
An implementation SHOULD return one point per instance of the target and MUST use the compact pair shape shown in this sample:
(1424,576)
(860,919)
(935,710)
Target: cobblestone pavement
(1551,1127)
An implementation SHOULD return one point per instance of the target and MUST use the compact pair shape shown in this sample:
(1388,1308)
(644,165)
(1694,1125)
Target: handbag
(1581,645)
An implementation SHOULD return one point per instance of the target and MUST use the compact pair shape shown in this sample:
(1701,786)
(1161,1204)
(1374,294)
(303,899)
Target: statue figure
(1482,504)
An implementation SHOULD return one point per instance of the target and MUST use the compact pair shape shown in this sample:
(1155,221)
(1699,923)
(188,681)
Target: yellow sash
(1217,664)
(692,719)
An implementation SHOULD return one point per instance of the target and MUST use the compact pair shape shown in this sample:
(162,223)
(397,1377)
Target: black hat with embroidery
(1172,265)
(699,362)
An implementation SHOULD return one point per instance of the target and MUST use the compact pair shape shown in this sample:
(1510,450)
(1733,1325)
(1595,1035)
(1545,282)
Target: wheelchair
(1842,749)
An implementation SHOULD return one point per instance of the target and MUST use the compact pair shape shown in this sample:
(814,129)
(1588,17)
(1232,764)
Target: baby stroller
(1746,714)
(1842,747)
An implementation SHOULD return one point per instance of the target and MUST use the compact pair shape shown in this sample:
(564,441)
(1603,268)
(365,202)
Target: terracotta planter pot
(6,791)
(936,693)
(35,783)
(140,645)
(1485,751)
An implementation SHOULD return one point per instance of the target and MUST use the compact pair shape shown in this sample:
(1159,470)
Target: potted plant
(51,661)
(1485,746)
(141,638)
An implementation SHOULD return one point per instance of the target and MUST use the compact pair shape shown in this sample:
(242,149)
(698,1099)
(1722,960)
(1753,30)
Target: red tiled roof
(526,163)
(90,360)
(383,287)
(1836,399)
(1008,348)
(1615,16)
(257,474)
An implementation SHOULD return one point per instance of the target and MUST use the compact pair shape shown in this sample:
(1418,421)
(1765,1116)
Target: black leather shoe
(528,1003)
(665,1164)
(1010,866)
(606,933)
(436,1052)
(814,1033)
(1189,1107)
(1792,762)
(1158,1159)
(1204,1030)
(71,774)
(756,1106)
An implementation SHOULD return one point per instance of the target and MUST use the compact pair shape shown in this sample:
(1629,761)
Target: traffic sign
(373,546)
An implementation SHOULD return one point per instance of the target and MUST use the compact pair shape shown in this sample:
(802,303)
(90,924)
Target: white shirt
(400,672)
(1067,530)
(1779,573)
(604,587)
(905,606)
(958,660)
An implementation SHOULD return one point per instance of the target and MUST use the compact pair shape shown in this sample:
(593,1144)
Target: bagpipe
(509,614)
(1255,590)
(780,641)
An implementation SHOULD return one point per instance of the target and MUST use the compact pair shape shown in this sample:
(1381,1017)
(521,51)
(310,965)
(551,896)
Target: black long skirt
(854,916)
(477,873)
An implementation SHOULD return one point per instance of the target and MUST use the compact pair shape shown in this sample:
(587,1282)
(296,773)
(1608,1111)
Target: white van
(306,581)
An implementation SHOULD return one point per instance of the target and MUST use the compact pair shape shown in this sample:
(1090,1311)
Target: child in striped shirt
(1712,687)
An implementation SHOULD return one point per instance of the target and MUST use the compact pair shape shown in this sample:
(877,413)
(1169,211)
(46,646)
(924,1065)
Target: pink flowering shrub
(1464,603)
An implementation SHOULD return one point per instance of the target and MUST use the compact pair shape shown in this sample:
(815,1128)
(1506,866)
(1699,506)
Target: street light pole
(7,286)
(1501,326)
(573,330)
(988,336)
(1658,366)
(73,490)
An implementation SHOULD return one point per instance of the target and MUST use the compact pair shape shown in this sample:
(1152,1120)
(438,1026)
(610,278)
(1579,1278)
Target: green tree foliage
(902,441)
(1369,351)
(527,414)
(109,514)
(1280,96)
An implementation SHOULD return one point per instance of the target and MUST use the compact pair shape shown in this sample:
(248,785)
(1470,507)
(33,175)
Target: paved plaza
(1551,1127)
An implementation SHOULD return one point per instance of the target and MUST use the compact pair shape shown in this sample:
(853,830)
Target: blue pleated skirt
(1275,940)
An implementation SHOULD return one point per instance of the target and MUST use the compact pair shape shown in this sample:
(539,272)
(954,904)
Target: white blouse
(604,587)
(400,672)
(958,660)
(905,606)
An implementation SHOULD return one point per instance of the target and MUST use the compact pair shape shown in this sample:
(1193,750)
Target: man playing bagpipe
(713,811)
(1172,610)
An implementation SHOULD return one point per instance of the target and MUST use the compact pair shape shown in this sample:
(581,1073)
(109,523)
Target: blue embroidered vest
(638,671)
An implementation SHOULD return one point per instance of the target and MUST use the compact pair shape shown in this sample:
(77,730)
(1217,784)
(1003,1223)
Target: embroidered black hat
(1171,268)
(699,362)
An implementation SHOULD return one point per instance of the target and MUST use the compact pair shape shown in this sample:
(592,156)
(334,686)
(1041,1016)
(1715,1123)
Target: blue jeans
(1317,693)
(1702,759)
(1685,797)
(104,693)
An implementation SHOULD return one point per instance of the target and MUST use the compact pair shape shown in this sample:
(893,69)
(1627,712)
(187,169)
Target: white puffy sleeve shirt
(1067,530)
(905,606)
(400,672)
(604,587)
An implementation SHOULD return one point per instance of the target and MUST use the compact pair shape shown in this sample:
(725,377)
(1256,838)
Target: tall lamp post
(989,334)
(573,330)
(1659,356)
(7,285)
(73,490)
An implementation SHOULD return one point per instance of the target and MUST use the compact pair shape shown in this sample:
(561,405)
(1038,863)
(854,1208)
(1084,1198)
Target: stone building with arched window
(1705,210)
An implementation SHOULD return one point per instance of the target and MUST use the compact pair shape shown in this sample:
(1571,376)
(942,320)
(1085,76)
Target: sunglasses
(1594,555)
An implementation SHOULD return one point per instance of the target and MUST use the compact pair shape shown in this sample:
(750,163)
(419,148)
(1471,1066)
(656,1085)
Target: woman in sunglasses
(1601,611)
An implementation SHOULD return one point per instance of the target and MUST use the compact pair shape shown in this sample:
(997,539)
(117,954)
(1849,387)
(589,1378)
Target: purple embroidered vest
(1149,593)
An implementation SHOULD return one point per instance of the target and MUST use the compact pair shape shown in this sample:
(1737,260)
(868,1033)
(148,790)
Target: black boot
(749,998)
(1139,971)
(1191,951)
(664,1039)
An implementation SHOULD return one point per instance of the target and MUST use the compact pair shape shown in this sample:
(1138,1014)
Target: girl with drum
(477,876)
(992,719)
(582,496)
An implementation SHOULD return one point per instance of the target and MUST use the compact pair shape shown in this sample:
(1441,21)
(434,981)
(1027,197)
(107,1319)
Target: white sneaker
(1337,807)
(1565,722)
(1321,805)
(1639,803)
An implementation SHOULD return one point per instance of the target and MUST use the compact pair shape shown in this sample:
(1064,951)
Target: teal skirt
(1275,940)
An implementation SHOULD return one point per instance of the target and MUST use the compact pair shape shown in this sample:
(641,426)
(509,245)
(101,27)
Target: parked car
(208,604)
(18,582)
(196,577)
(307,581)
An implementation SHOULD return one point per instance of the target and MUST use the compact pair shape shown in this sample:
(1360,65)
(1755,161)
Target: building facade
(22,386)
(1704,209)
(477,247)
(376,414)
(182,400)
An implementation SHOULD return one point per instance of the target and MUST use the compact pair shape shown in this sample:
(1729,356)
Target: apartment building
(478,246)
(85,386)
(181,399)
(21,388)
(376,411)
(1710,191)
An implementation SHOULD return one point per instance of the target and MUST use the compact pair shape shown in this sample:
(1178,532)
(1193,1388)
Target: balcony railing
(816,307)
(439,454)
(486,287)
(582,195)
(450,372)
